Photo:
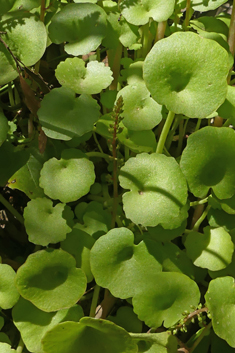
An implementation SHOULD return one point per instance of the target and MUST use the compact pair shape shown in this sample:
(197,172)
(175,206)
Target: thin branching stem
(10,208)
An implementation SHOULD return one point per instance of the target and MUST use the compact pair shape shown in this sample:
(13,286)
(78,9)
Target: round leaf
(63,116)
(34,323)
(203,6)
(212,250)
(69,178)
(140,111)
(8,292)
(50,280)
(3,127)
(46,224)
(121,266)
(6,348)
(139,12)
(5,6)
(79,244)
(126,318)
(183,76)
(163,342)
(220,300)
(227,109)
(26,4)
(92,79)
(207,162)
(158,189)
(88,336)
(82,26)
(164,297)
(26,36)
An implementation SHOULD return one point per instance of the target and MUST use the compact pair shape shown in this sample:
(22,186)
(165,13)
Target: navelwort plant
(117,176)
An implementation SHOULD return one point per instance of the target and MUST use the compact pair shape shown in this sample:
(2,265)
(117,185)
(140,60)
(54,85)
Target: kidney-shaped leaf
(157,186)
(227,109)
(26,36)
(140,11)
(50,280)
(6,348)
(69,178)
(162,342)
(220,300)
(212,250)
(82,26)
(183,77)
(34,323)
(203,6)
(207,162)
(8,292)
(92,79)
(164,297)
(121,266)
(46,224)
(88,336)
(79,244)
(140,111)
(63,116)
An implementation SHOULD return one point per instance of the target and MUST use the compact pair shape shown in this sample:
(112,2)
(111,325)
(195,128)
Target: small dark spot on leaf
(140,192)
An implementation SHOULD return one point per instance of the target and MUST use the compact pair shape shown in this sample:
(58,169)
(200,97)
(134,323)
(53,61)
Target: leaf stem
(161,28)
(187,16)
(202,335)
(231,35)
(200,202)
(20,346)
(94,300)
(165,131)
(201,219)
(11,209)
(99,154)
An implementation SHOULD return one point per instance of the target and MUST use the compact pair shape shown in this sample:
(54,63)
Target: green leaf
(4,128)
(92,79)
(162,342)
(6,348)
(26,5)
(182,78)
(227,109)
(79,244)
(46,224)
(140,111)
(126,318)
(26,178)
(215,168)
(82,26)
(218,345)
(139,12)
(26,37)
(164,235)
(64,116)
(212,250)
(138,141)
(93,219)
(72,337)
(11,159)
(5,6)
(220,300)
(203,6)
(50,280)
(158,189)
(69,178)
(220,218)
(164,297)
(8,292)
(121,266)
(210,24)
(34,323)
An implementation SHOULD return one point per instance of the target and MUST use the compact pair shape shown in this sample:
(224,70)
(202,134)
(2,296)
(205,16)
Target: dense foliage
(117,176)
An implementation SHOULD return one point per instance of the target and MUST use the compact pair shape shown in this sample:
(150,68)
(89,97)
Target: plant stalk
(94,300)
(187,16)
(231,35)
(11,209)
(165,131)
(161,28)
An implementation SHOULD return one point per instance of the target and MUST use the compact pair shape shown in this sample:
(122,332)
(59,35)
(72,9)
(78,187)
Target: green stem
(181,137)
(227,122)
(161,28)
(20,347)
(114,58)
(145,40)
(10,94)
(231,36)
(172,132)
(201,219)
(94,300)
(165,131)
(97,142)
(99,154)
(187,16)
(11,209)
(202,335)
(42,15)
(200,202)
(198,125)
